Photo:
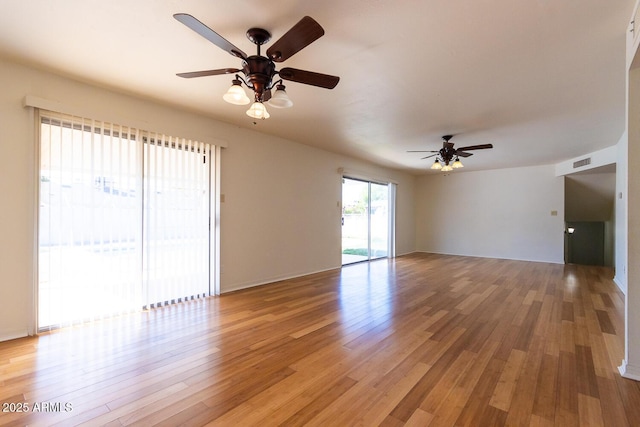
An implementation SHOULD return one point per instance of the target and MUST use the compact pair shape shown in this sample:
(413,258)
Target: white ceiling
(543,80)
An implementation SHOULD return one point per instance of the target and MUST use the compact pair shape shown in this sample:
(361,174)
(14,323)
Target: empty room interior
(319,213)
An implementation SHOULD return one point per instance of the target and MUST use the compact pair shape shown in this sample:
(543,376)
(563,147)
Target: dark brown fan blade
(463,154)
(422,158)
(309,78)
(301,35)
(208,73)
(209,34)
(475,147)
(447,145)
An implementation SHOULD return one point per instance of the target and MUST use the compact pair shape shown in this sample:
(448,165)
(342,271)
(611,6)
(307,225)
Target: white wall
(604,157)
(16,210)
(621,225)
(630,367)
(502,213)
(589,196)
(280,216)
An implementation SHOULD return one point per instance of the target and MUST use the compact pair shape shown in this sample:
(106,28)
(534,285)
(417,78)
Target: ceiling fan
(260,74)
(447,153)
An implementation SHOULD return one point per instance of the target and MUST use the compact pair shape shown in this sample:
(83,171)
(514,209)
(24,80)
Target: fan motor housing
(259,71)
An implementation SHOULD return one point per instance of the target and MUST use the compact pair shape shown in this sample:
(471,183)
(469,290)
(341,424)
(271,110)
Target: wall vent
(583,162)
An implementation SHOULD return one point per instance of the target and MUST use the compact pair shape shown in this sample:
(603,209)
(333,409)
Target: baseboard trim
(242,286)
(623,288)
(629,371)
(6,336)
(493,257)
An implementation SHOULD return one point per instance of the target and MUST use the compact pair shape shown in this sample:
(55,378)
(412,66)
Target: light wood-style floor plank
(421,340)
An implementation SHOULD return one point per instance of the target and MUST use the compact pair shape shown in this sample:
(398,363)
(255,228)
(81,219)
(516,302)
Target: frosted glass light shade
(447,168)
(258,111)
(236,95)
(280,99)
(436,165)
(457,164)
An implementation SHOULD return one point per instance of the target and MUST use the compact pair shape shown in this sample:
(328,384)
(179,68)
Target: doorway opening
(590,216)
(367,220)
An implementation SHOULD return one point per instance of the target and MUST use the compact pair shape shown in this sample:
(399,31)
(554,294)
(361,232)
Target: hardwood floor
(416,341)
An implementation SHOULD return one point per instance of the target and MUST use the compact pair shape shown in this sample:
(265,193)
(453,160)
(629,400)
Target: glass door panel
(379,221)
(90,198)
(355,221)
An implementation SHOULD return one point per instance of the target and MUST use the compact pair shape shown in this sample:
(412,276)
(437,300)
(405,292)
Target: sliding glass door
(123,220)
(366,222)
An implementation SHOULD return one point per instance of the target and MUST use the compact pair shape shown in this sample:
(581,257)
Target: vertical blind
(176,220)
(123,220)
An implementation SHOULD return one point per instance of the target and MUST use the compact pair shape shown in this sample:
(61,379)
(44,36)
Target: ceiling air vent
(583,162)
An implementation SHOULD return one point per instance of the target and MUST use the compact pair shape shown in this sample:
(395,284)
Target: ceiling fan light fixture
(236,94)
(258,111)
(280,99)
(447,154)
(259,70)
